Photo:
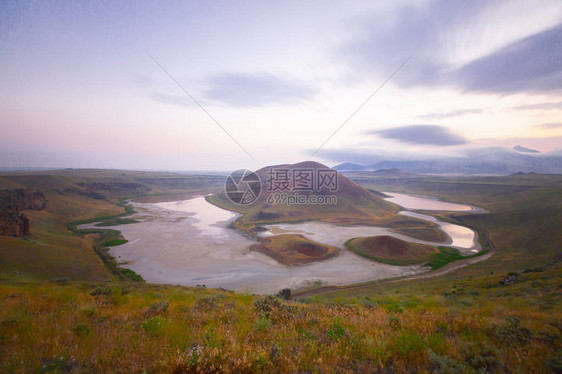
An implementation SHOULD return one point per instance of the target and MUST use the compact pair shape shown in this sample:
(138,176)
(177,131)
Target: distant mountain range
(520,148)
(496,160)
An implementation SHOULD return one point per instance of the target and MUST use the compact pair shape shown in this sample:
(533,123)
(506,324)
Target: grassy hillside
(501,315)
(525,219)
(53,250)
(492,192)
(120,327)
(524,227)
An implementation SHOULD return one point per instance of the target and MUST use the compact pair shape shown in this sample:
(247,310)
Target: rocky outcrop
(116,188)
(105,190)
(14,224)
(22,200)
(12,221)
(81,192)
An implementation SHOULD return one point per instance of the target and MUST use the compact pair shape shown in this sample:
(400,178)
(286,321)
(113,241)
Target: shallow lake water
(460,237)
(191,242)
(425,203)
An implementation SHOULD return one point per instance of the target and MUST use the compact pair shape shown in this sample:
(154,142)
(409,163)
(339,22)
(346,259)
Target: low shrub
(154,326)
(80,329)
(266,304)
(99,291)
(393,306)
(554,362)
(336,331)
(157,308)
(481,356)
(394,322)
(89,310)
(444,364)
(262,325)
(511,332)
(407,343)
(207,303)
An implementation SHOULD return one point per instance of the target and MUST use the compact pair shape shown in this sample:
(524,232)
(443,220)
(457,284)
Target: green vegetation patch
(447,255)
(114,242)
(116,222)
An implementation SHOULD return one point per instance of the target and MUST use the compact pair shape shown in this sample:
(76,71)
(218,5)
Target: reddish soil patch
(291,249)
(311,249)
(386,244)
(389,248)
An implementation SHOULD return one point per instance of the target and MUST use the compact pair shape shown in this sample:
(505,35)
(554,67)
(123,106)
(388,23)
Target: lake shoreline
(195,250)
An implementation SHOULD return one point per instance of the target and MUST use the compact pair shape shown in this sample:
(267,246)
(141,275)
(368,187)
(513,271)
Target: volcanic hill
(354,204)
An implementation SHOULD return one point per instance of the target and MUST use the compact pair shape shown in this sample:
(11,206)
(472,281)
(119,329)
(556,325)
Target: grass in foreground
(120,327)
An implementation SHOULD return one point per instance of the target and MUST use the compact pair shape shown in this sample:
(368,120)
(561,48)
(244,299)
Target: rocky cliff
(12,202)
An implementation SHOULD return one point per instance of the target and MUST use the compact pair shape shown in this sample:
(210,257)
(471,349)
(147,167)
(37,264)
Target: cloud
(423,135)
(369,156)
(445,39)
(450,114)
(361,157)
(549,126)
(530,64)
(543,106)
(247,90)
(171,99)
(161,90)
(386,43)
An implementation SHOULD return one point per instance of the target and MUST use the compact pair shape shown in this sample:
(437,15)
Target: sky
(221,85)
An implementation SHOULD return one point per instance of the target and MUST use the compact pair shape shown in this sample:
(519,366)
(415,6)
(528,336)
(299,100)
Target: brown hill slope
(391,250)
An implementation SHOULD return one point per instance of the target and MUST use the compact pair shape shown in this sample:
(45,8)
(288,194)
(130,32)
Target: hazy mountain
(394,172)
(520,148)
(492,160)
(555,152)
(349,166)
